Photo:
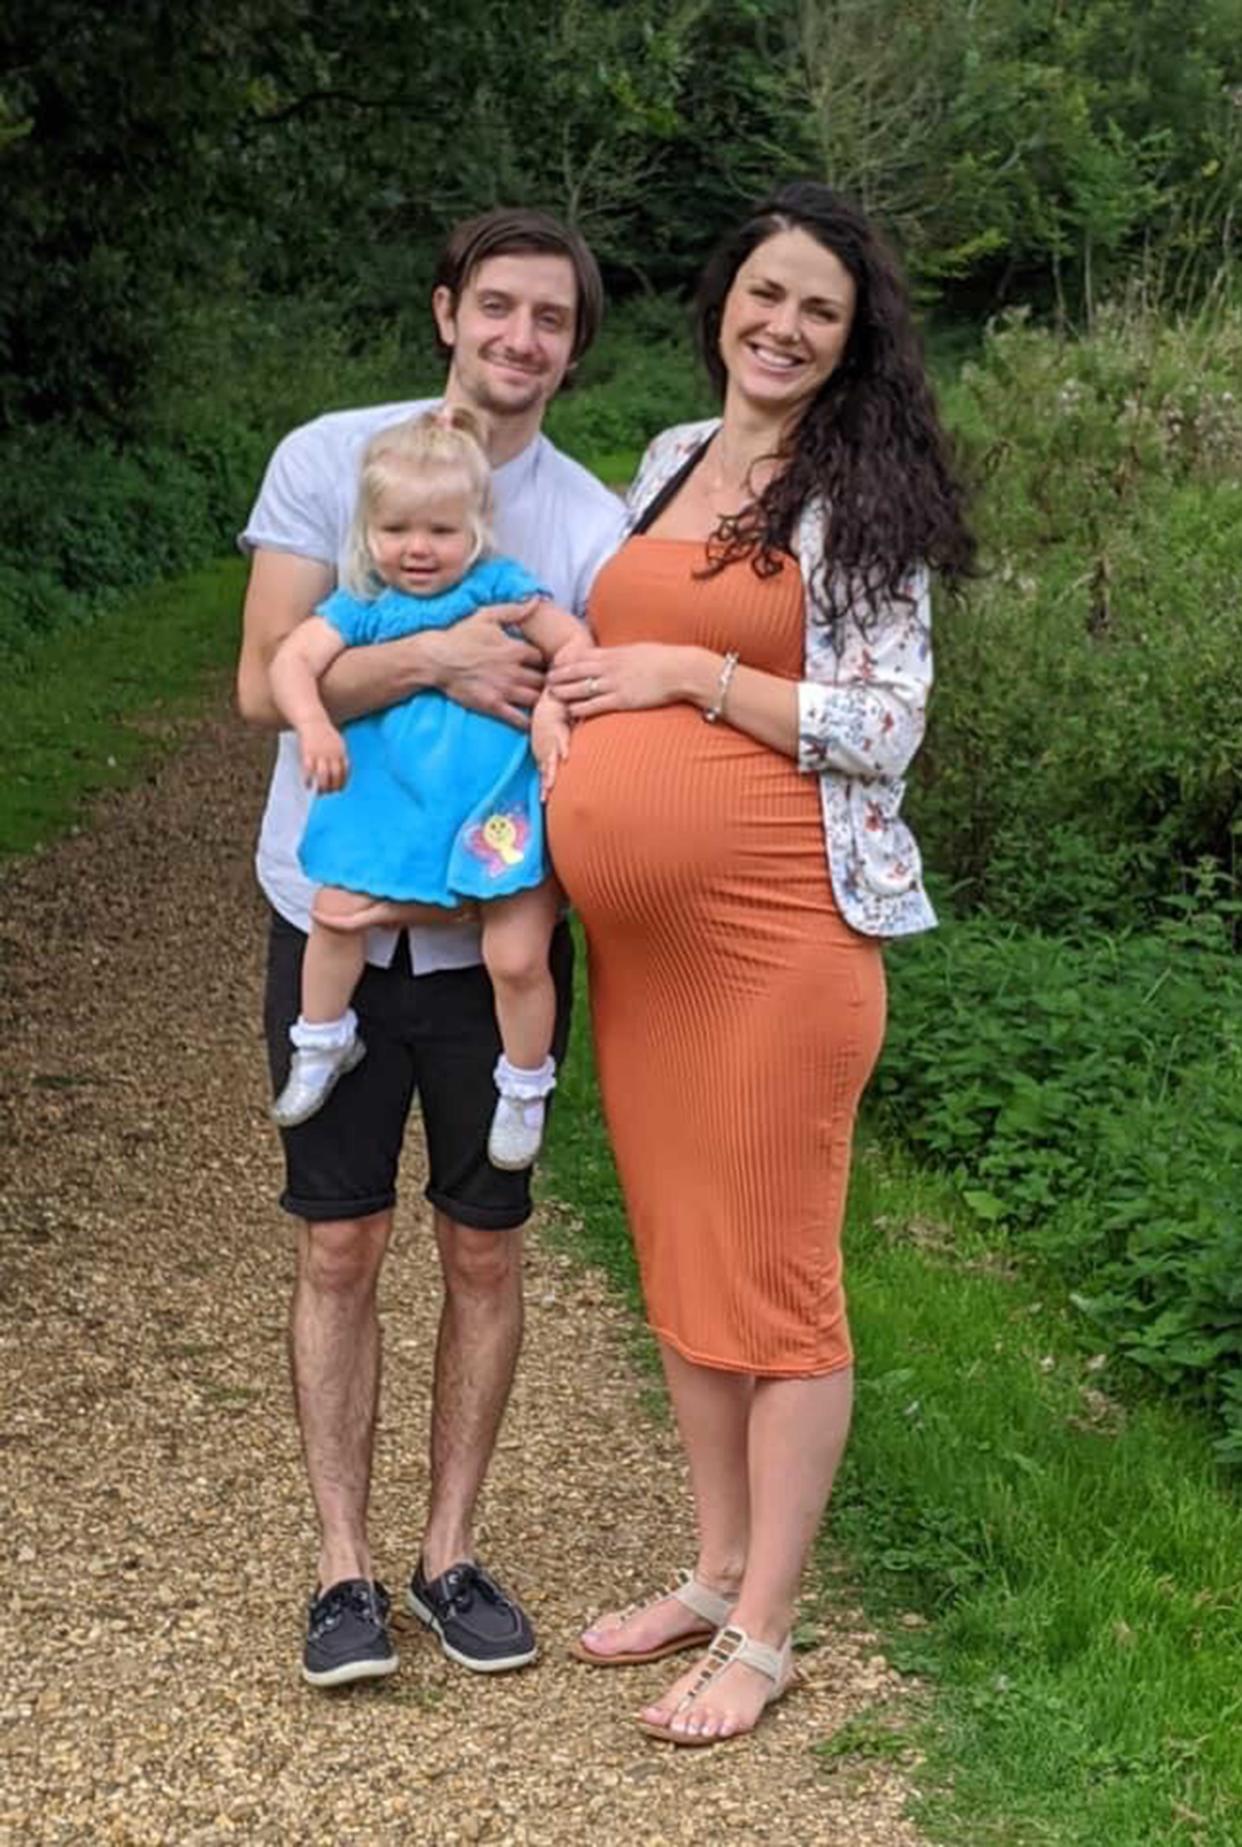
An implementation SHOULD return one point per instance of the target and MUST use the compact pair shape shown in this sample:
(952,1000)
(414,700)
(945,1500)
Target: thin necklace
(717,485)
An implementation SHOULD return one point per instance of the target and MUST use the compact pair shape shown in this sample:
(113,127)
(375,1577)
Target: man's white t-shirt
(550,514)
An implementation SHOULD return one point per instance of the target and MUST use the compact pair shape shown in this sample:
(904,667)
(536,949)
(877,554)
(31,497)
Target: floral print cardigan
(861,712)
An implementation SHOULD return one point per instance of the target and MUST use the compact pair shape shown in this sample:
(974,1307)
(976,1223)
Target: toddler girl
(424,803)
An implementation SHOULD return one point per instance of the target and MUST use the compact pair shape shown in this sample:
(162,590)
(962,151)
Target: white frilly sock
(525,1086)
(325,1036)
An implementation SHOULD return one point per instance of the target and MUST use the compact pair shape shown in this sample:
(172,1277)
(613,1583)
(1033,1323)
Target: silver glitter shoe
(516,1133)
(313,1076)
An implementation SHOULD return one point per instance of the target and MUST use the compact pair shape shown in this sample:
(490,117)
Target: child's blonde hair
(441,449)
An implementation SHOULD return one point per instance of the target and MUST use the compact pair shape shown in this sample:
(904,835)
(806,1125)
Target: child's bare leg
(335,954)
(324,1037)
(517,935)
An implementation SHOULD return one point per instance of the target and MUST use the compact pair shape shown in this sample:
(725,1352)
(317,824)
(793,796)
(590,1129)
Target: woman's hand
(325,762)
(632,678)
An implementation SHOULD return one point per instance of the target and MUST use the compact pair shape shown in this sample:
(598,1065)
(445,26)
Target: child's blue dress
(440,803)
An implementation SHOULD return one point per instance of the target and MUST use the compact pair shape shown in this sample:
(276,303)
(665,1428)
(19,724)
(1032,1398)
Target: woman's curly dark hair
(870,442)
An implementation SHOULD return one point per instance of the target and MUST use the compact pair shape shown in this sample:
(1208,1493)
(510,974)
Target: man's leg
(341,1168)
(479,1210)
(476,1356)
(334,1351)
(478,1624)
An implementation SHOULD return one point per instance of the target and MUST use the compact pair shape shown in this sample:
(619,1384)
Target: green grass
(1061,1571)
(89,708)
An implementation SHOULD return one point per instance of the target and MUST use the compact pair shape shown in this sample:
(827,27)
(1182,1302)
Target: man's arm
(475,662)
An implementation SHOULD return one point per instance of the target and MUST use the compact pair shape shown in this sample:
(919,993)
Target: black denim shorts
(431,1036)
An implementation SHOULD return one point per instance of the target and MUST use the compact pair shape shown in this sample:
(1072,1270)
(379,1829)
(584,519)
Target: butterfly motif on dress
(500,841)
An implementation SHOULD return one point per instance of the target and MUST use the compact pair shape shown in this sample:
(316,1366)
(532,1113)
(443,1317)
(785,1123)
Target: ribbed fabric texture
(737,1018)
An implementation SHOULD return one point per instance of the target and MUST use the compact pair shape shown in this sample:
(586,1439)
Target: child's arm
(561,638)
(297,667)
(556,633)
(549,738)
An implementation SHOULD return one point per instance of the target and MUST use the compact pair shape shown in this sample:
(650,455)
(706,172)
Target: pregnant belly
(656,813)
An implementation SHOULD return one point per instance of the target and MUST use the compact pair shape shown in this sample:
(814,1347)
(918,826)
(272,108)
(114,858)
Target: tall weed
(1085,748)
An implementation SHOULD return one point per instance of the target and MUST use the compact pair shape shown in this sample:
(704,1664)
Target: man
(517,301)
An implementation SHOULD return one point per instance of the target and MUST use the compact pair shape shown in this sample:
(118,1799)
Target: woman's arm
(860,710)
(862,707)
(651,673)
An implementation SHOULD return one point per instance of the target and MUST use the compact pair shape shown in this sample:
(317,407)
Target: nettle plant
(1087,1099)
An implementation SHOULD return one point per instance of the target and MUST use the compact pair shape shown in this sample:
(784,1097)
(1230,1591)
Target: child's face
(421,543)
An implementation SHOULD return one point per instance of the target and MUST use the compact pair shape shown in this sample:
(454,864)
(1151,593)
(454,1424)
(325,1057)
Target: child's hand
(579,643)
(325,762)
(549,739)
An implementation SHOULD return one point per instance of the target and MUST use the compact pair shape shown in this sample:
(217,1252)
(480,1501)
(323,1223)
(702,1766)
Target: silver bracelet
(728,667)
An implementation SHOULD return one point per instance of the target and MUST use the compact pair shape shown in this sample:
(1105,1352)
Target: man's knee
(343,1256)
(479,1263)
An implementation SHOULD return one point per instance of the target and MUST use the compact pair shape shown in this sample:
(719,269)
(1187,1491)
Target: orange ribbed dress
(736,1016)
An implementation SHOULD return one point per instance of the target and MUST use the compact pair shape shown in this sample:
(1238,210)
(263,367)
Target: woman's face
(786,321)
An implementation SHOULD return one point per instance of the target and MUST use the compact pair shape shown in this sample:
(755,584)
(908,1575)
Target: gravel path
(158,1531)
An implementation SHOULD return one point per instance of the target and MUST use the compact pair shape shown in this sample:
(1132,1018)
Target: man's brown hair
(512,231)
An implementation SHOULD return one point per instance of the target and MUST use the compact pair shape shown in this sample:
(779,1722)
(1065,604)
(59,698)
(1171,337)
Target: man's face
(511,331)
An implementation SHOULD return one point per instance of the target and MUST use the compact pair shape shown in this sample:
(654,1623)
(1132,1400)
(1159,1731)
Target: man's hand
(549,739)
(325,762)
(480,666)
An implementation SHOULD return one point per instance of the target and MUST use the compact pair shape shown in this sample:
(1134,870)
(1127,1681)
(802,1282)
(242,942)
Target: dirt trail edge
(158,1533)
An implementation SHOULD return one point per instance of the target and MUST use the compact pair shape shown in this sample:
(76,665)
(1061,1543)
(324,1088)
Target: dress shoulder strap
(672,487)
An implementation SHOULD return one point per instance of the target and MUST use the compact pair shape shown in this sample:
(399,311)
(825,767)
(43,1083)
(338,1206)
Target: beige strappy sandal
(730,1646)
(711,1609)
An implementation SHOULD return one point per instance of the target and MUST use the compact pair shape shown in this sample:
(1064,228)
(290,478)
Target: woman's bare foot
(662,1625)
(731,1705)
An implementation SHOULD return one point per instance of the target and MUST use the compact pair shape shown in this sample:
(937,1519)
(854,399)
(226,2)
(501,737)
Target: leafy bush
(1088,1100)
(1085,750)
(639,379)
(83,523)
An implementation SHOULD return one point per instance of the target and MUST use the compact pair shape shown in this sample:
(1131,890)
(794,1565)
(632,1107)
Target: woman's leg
(517,932)
(796,1436)
(713,1409)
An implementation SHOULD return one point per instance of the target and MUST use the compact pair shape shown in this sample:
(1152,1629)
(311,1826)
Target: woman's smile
(786,320)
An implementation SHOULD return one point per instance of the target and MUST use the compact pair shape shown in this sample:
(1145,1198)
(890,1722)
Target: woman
(735,880)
